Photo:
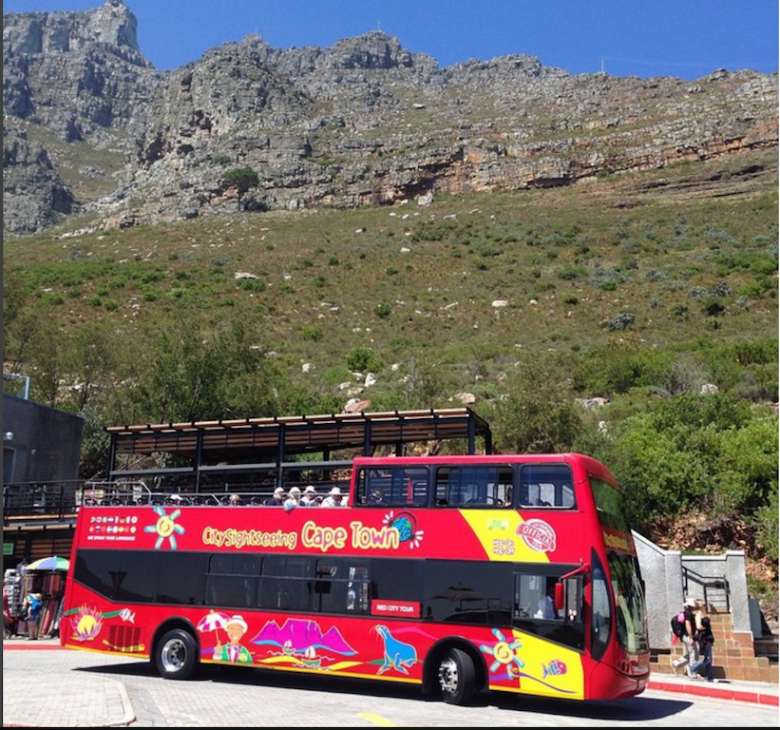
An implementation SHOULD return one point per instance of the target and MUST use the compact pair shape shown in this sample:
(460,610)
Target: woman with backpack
(705,640)
(688,636)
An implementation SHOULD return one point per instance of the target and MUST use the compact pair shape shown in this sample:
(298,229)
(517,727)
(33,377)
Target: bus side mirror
(559,597)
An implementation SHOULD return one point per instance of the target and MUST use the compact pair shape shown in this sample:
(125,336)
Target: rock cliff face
(363,121)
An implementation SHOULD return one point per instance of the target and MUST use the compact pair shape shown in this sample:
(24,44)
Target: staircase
(733,655)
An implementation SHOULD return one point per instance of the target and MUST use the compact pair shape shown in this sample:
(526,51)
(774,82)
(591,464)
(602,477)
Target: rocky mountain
(94,133)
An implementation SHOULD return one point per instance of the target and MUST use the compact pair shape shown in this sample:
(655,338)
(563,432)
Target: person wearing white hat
(293,499)
(310,497)
(689,637)
(334,498)
(277,499)
(233,651)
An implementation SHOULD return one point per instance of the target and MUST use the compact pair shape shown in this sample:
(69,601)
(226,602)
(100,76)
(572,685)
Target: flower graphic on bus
(504,655)
(406,524)
(87,623)
(165,527)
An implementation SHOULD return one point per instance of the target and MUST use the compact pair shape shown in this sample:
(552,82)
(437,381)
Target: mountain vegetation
(589,263)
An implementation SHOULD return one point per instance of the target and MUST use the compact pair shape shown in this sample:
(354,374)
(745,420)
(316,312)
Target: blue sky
(683,38)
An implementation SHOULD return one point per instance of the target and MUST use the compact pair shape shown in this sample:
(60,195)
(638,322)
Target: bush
(383,310)
(360,359)
(242,177)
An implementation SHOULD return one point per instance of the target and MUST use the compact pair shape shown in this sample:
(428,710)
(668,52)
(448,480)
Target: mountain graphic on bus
(299,635)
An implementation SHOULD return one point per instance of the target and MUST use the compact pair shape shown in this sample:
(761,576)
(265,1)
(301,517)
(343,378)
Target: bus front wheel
(457,678)
(176,654)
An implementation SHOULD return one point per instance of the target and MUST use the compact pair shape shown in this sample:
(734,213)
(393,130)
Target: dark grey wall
(45,444)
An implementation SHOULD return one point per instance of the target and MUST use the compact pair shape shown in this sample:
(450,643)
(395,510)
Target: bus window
(468,592)
(286,583)
(473,486)
(602,611)
(373,486)
(546,485)
(393,487)
(341,586)
(410,487)
(232,580)
(531,589)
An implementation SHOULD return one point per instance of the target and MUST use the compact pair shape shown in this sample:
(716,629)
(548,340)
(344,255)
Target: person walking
(704,640)
(689,635)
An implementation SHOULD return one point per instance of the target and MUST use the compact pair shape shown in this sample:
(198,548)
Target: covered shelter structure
(260,454)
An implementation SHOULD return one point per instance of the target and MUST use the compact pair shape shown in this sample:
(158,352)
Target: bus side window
(374,487)
(409,487)
(526,500)
(547,485)
(442,484)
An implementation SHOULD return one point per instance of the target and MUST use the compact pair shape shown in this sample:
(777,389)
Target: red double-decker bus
(454,573)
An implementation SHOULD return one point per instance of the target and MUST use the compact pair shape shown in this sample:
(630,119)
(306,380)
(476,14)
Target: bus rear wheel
(176,655)
(457,678)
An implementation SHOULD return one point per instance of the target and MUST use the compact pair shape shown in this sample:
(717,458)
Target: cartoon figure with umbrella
(234,651)
(213,621)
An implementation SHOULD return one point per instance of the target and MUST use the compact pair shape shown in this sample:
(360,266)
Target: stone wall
(665,573)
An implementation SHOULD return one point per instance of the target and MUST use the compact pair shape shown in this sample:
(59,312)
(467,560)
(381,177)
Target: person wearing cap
(334,498)
(293,499)
(310,498)
(277,499)
(234,651)
(689,637)
(235,500)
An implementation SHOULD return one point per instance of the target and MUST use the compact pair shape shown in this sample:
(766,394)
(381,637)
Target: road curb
(723,693)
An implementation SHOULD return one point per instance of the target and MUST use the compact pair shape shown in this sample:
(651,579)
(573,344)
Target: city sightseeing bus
(435,573)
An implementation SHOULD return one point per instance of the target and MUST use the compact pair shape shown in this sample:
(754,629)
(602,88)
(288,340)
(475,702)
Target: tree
(538,414)
(194,373)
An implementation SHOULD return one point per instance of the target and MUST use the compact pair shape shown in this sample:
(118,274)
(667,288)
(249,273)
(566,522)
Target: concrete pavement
(81,700)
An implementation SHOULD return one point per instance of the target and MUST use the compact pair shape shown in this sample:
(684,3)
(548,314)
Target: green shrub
(383,310)
(360,359)
(243,178)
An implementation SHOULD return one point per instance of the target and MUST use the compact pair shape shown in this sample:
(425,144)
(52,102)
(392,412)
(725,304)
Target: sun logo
(87,623)
(165,527)
(504,654)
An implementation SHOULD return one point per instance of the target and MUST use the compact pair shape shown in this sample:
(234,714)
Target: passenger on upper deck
(310,497)
(277,500)
(334,498)
(293,499)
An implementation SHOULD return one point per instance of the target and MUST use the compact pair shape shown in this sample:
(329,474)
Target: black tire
(457,678)
(176,655)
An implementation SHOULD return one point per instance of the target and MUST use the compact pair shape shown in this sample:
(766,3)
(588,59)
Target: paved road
(44,685)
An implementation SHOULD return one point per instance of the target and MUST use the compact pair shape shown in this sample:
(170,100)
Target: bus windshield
(627,588)
(629,602)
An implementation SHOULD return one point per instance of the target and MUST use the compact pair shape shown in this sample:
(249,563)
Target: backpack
(678,624)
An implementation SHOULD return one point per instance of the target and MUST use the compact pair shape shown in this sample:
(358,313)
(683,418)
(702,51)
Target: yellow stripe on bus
(497,530)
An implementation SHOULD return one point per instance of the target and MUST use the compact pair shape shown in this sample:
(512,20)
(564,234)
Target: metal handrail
(720,584)
(49,501)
